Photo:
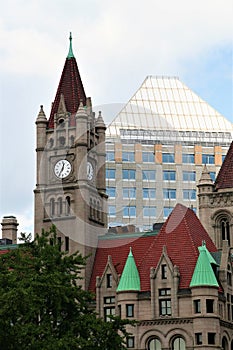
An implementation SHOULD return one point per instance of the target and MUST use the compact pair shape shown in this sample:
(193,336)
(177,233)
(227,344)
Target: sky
(116,45)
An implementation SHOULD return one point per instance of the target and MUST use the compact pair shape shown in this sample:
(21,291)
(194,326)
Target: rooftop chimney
(9,228)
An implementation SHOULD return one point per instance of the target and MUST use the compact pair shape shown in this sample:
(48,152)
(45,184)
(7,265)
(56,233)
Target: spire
(203,274)
(130,279)
(41,115)
(205,177)
(70,54)
(71,87)
(100,122)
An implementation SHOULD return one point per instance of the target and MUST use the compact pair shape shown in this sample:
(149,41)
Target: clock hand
(61,169)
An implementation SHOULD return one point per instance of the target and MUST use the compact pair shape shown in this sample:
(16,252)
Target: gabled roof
(225,175)
(130,279)
(182,234)
(203,274)
(70,88)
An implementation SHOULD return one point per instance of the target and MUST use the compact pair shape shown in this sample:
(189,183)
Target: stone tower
(70,190)
(216,203)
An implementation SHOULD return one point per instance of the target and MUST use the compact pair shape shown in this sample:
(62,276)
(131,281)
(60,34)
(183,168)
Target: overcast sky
(116,44)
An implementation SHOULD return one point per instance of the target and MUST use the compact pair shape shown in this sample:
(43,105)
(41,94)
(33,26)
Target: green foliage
(43,307)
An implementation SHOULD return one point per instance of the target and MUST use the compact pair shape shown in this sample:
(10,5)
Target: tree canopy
(42,305)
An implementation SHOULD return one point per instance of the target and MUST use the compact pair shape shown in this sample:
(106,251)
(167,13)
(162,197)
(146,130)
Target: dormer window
(164,272)
(109,280)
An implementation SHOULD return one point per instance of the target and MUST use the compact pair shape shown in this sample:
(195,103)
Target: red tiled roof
(182,233)
(225,175)
(71,87)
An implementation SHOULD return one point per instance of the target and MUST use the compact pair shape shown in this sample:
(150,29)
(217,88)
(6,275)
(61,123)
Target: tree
(42,306)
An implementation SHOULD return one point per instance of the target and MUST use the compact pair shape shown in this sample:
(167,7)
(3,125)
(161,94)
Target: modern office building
(156,148)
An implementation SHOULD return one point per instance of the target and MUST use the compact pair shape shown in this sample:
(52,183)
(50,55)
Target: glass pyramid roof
(165,103)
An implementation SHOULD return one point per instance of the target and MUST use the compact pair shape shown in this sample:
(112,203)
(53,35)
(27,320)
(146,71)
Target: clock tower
(70,190)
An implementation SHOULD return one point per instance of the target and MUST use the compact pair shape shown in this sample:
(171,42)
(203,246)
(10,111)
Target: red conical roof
(225,175)
(71,87)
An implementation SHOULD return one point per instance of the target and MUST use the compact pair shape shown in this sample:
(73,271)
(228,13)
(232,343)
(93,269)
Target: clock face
(90,171)
(62,168)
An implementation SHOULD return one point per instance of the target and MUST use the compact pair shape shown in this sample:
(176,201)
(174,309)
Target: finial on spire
(70,54)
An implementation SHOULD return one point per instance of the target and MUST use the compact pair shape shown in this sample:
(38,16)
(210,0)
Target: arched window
(52,207)
(67,205)
(178,344)
(224,344)
(225,230)
(62,141)
(59,206)
(154,344)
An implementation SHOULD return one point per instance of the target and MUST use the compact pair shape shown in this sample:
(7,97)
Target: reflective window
(148,193)
(169,193)
(168,158)
(169,175)
(148,174)
(213,175)
(167,211)
(111,210)
(128,174)
(129,310)
(111,192)
(130,342)
(109,300)
(110,173)
(154,344)
(207,159)
(197,306)
(189,194)
(128,157)
(129,211)
(129,192)
(148,157)
(165,307)
(198,338)
(189,176)
(109,280)
(108,312)
(149,211)
(178,344)
(110,156)
(188,158)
